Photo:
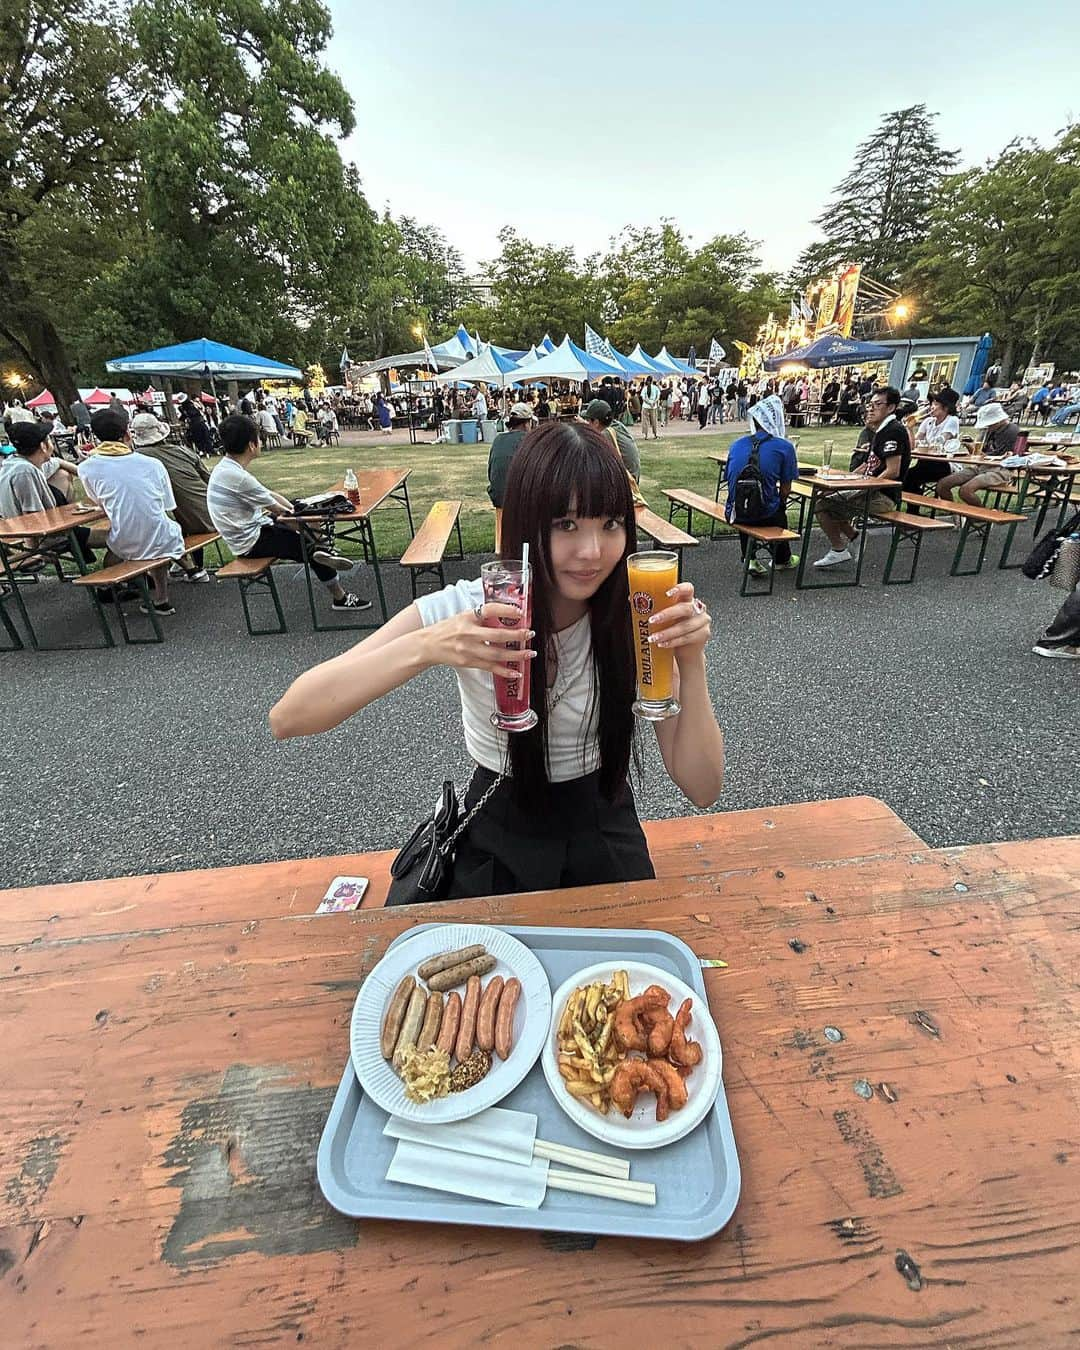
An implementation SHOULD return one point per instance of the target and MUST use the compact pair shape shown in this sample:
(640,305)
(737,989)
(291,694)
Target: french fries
(588,1052)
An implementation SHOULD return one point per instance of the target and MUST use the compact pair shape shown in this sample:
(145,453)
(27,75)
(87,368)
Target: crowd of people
(155,488)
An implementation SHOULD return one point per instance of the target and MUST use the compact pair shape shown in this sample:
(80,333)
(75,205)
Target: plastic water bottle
(352,487)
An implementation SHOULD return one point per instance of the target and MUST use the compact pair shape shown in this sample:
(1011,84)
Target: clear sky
(571,120)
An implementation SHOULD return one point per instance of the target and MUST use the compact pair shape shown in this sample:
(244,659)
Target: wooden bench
(137,571)
(907,529)
(664,533)
(257,573)
(978,521)
(761,537)
(683,499)
(425,553)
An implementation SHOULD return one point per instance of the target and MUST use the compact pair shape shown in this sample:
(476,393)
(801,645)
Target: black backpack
(751,489)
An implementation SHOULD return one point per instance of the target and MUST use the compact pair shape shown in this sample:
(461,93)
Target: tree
(415,279)
(1003,250)
(879,210)
(536,287)
(255,232)
(67,108)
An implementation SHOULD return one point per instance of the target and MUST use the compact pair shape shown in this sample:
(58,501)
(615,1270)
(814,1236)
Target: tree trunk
(1007,360)
(50,357)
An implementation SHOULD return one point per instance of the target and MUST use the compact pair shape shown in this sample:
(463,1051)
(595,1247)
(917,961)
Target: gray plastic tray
(697,1177)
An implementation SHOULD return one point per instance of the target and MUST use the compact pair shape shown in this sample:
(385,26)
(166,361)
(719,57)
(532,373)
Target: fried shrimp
(634,1076)
(675,1088)
(660,1027)
(629,1029)
(686,1054)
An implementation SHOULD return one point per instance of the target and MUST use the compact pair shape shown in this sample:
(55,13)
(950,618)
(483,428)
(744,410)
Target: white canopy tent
(490,367)
(568,362)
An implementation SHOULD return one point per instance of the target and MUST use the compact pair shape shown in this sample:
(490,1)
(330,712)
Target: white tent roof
(568,362)
(487,368)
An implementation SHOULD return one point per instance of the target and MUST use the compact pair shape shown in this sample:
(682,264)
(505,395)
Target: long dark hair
(562,467)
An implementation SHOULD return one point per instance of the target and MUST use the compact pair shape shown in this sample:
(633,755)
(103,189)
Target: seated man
(244,511)
(25,487)
(503,449)
(778,469)
(188,476)
(300,433)
(602,416)
(1069,413)
(884,451)
(268,426)
(135,493)
(998,442)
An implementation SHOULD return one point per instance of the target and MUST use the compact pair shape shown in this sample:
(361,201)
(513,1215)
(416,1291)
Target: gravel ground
(147,759)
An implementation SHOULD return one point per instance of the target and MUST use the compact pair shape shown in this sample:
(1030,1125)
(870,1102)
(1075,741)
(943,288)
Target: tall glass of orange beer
(651,576)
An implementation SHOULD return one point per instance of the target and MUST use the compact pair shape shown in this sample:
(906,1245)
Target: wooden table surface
(56,521)
(375,486)
(169,1068)
(849,481)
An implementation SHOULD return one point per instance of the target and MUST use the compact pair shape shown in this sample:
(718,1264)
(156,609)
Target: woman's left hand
(684,627)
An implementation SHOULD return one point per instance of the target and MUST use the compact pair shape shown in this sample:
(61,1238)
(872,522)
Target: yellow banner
(826,310)
(849,288)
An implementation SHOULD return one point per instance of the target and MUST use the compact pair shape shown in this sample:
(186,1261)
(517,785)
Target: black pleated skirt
(583,840)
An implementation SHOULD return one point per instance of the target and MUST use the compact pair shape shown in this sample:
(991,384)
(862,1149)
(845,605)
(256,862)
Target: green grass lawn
(460,471)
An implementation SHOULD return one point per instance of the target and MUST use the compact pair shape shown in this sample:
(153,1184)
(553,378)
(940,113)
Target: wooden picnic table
(835,481)
(376,486)
(60,520)
(169,1067)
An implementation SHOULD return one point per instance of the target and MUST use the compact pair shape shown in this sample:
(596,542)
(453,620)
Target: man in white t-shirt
(135,493)
(245,511)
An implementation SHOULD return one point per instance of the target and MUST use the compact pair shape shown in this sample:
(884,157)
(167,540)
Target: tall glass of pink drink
(508,583)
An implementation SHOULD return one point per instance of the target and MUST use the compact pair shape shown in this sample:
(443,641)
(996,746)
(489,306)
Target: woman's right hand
(468,643)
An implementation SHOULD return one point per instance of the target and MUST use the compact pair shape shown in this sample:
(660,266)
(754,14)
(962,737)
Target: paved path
(147,759)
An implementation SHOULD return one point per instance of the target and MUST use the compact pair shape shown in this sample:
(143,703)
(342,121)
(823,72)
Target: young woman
(565,816)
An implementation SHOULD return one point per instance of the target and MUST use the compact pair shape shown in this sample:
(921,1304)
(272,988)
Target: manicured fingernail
(673,591)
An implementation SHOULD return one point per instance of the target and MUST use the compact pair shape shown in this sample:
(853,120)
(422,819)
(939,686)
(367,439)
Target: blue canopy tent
(545,345)
(630,365)
(489,367)
(641,357)
(671,365)
(568,361)
(979,364)
(202,358)
(833,350)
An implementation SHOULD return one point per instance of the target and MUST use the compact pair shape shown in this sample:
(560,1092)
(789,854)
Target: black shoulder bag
(1040,561)
(423,870)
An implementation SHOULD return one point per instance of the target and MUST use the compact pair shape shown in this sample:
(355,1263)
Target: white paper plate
(642,1130)
(531,1021)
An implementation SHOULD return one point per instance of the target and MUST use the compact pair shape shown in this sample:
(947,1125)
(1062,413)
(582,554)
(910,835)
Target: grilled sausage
(504,1020)
(432,1020)
(485,1018)
(446,979)
(467,1030)
(395,1015)
(410,1028)
(450,1022)
(434,964)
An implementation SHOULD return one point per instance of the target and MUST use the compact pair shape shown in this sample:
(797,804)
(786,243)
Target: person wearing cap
(938,430)
(188,476)
(999,440)
(25,486)
(503,449)
(602,416)
(779,468)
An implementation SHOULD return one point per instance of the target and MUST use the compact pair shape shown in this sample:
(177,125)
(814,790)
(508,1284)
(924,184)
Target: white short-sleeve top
(573,744)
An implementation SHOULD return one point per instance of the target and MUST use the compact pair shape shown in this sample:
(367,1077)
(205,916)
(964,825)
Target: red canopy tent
(43,400)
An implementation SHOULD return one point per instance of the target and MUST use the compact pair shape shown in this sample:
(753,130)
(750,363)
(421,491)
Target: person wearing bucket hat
(937,432)
(999,439)
(504,447)
(188,476)
(602,415)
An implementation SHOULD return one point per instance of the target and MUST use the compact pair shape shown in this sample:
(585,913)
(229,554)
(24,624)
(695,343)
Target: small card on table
(343,893)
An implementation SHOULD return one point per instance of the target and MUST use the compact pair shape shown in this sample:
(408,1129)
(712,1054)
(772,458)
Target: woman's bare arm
(326,695)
